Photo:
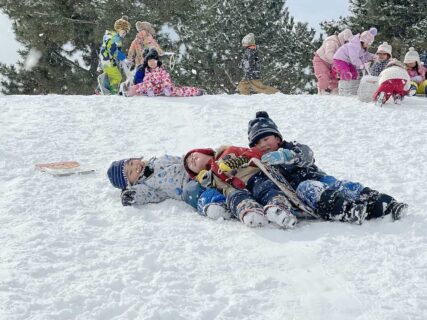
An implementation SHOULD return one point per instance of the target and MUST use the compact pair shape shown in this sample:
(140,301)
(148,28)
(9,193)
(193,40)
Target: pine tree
(211,45)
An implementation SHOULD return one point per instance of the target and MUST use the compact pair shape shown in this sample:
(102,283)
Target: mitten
(205,178)
(167,91)
(128,197)
(281,156)
(228,164)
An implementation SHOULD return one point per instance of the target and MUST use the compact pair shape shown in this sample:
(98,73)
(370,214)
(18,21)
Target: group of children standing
(344,56)
(224,183)
(150,77)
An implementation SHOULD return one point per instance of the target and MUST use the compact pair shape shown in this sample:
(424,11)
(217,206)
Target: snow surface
(71,251)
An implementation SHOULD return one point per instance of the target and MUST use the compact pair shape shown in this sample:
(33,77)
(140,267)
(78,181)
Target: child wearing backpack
(112,56)
(416,71)
(251,65)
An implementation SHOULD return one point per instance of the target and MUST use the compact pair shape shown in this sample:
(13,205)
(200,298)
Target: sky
(310,11)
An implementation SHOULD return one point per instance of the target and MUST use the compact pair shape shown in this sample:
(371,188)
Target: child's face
(152,63)
(268,144)
(197,161)
(382,56)
(133,169)
(365,45)
(122,33)
(410,65)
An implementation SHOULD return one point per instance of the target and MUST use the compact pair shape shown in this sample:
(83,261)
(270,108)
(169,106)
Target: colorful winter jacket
(242,171)
(353,53)
(395,72)
(416,73)
(167,180)
(251,64)
(377,67)
(304,168)
(111,50)
(143,40)
(330,46)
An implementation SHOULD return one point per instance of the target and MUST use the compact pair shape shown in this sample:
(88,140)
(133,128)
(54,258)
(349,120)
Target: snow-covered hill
(69,250)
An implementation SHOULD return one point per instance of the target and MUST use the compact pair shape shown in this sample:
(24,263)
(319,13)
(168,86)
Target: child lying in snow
(155,180)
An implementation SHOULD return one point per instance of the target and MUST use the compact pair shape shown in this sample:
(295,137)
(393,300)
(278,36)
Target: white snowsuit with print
(166,182)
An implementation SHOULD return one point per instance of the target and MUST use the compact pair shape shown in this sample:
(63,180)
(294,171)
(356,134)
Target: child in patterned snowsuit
(332,199)
(323,59)
(111,54)
(353,55)
(251,65)
(382,59)
(157,81)
(394,81)
(416,71)
(250,195)
(151,181)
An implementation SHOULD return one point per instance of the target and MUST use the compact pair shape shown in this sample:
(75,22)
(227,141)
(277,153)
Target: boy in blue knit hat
(148,181)
(159,179)
(333,199)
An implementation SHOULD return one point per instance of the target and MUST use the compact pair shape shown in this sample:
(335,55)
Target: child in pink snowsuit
(323,59)
(157,81)
(353,55)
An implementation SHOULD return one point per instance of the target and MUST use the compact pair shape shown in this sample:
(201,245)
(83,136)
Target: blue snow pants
(310,191)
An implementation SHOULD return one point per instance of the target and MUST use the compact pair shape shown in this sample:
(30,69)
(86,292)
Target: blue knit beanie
(116,174)
(261,127)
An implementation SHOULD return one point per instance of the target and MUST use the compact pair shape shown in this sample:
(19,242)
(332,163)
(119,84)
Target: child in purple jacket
(353,55)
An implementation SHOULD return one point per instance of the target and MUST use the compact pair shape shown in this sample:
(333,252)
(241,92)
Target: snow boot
(413,90)
(280,217)
(376,203)
(397,210)
(381,99)
(216,211)
(397,98)
(333,206)
(246,209)
(254,218)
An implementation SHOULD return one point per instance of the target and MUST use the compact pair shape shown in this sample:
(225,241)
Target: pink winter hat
(368,36)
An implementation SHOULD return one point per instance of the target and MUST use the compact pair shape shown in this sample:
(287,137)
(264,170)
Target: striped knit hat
(116,174)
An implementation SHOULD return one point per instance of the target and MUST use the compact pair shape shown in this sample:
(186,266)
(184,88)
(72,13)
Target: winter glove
(417,78)
(281,156)
(205,178)
(121,56)
(128,197)
(228,163)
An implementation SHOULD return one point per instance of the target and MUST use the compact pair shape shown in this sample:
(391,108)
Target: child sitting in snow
(416,71)
(332,199)
(383,57)
(323,59)
(112,55)
(251,196)
(251,65)
(352,56)
(394,81)
(157,81)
